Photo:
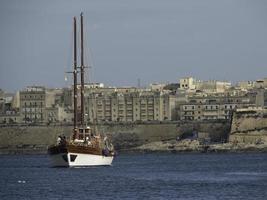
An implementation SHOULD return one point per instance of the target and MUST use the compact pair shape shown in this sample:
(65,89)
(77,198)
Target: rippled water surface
(138,176)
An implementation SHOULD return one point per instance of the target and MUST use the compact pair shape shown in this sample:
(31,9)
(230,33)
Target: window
(72,157)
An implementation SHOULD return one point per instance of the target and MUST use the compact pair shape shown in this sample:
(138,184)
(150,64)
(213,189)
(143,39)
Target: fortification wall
(124,136)
(249,126)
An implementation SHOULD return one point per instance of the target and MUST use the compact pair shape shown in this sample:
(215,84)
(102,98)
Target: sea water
(138,176)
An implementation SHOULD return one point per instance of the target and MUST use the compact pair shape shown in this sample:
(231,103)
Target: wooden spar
(82,74)
(75,73)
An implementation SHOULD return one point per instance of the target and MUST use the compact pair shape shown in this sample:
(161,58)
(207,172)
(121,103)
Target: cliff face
(249,126)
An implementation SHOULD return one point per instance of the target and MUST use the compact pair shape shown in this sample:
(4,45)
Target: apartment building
(32,104)
(130,106)
(212,107)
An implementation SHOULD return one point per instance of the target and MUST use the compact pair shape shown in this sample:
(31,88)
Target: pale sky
(150,40)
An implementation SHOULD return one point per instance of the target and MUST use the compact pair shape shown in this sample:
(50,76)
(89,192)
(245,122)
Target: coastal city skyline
(144,99)
(151,41)
(153,84)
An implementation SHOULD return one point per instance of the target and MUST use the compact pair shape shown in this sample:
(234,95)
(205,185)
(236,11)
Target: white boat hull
(80,160)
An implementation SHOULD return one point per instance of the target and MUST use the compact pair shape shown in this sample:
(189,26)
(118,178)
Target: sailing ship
(86,147)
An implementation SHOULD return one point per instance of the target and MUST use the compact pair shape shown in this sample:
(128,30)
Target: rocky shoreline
(195,146)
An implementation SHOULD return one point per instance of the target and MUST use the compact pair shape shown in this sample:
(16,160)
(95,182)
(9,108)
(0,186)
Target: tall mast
(75,73)
(82,74)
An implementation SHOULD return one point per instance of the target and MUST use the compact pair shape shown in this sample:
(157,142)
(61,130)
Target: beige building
(58,114)
(246,85)
(10,117)
(157,86)
(212,107)
(32,104)
(206,111)
(187,83)
(130,106)
(213,86)
(53,97)
(8,110)
(42,105)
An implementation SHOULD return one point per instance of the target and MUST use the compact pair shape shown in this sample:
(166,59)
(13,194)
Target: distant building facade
(190,99)
(130,106)
(187,83)
(213,86)
(212,107)
(32,104)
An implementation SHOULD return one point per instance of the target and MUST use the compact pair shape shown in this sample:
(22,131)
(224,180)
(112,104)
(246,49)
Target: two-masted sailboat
(86,147)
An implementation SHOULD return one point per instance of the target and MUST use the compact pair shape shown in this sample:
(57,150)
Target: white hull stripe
(79,159)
